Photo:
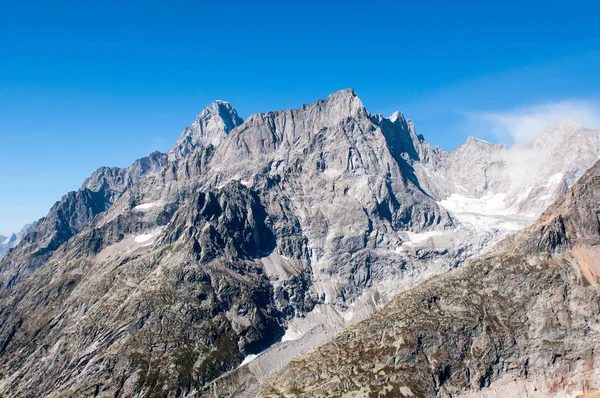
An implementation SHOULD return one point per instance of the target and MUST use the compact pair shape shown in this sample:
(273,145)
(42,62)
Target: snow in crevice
(143,238)
(459,187)
(489,204)
(292,333)
(145,206)
(248,359)
(418,238)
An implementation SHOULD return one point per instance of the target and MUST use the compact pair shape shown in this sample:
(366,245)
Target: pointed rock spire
(345,103)
(397,116)
(472,140)
(210,128)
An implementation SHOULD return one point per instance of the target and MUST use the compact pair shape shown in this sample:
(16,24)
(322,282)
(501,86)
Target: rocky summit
(205,270)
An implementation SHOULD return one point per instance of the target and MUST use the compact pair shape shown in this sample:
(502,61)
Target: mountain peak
(345,95)
(478,143)
(9,242)
(210,128)
(345,102)
(474,139)
(220,110)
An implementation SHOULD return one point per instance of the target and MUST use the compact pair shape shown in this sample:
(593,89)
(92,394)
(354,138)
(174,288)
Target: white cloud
(519,124)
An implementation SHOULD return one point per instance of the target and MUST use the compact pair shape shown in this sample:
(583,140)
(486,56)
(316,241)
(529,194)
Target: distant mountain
(481,182)
(520,321)
(3,245)
(7,243)
(248,242)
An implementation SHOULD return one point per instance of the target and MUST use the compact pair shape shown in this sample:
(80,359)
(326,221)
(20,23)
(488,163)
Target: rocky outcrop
(521,320)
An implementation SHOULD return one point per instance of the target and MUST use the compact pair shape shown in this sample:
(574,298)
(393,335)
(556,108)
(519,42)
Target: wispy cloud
(521,123)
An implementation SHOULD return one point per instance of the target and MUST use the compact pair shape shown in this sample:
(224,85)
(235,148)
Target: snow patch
(346,315)
(490,204)
(145,206)
(143,238)
(248,359)
(292,333)
(524,195)
(490,212)
(555,179)
(416,238)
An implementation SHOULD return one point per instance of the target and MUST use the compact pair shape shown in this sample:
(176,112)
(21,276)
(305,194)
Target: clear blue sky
(90,83)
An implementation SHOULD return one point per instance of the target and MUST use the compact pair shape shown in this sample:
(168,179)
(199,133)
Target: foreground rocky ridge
(278,231)
(522,320)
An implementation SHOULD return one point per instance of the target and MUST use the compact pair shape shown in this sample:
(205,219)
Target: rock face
(265,236)
(522,320)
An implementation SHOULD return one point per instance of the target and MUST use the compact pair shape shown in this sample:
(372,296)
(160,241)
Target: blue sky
(87,84)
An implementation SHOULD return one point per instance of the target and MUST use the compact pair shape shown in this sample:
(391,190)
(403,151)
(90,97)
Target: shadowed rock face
(521,320)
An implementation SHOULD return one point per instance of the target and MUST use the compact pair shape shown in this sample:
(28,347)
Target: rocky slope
(259,237)
(522,320)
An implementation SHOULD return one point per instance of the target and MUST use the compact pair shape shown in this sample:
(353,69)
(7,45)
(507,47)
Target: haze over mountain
(253,241)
